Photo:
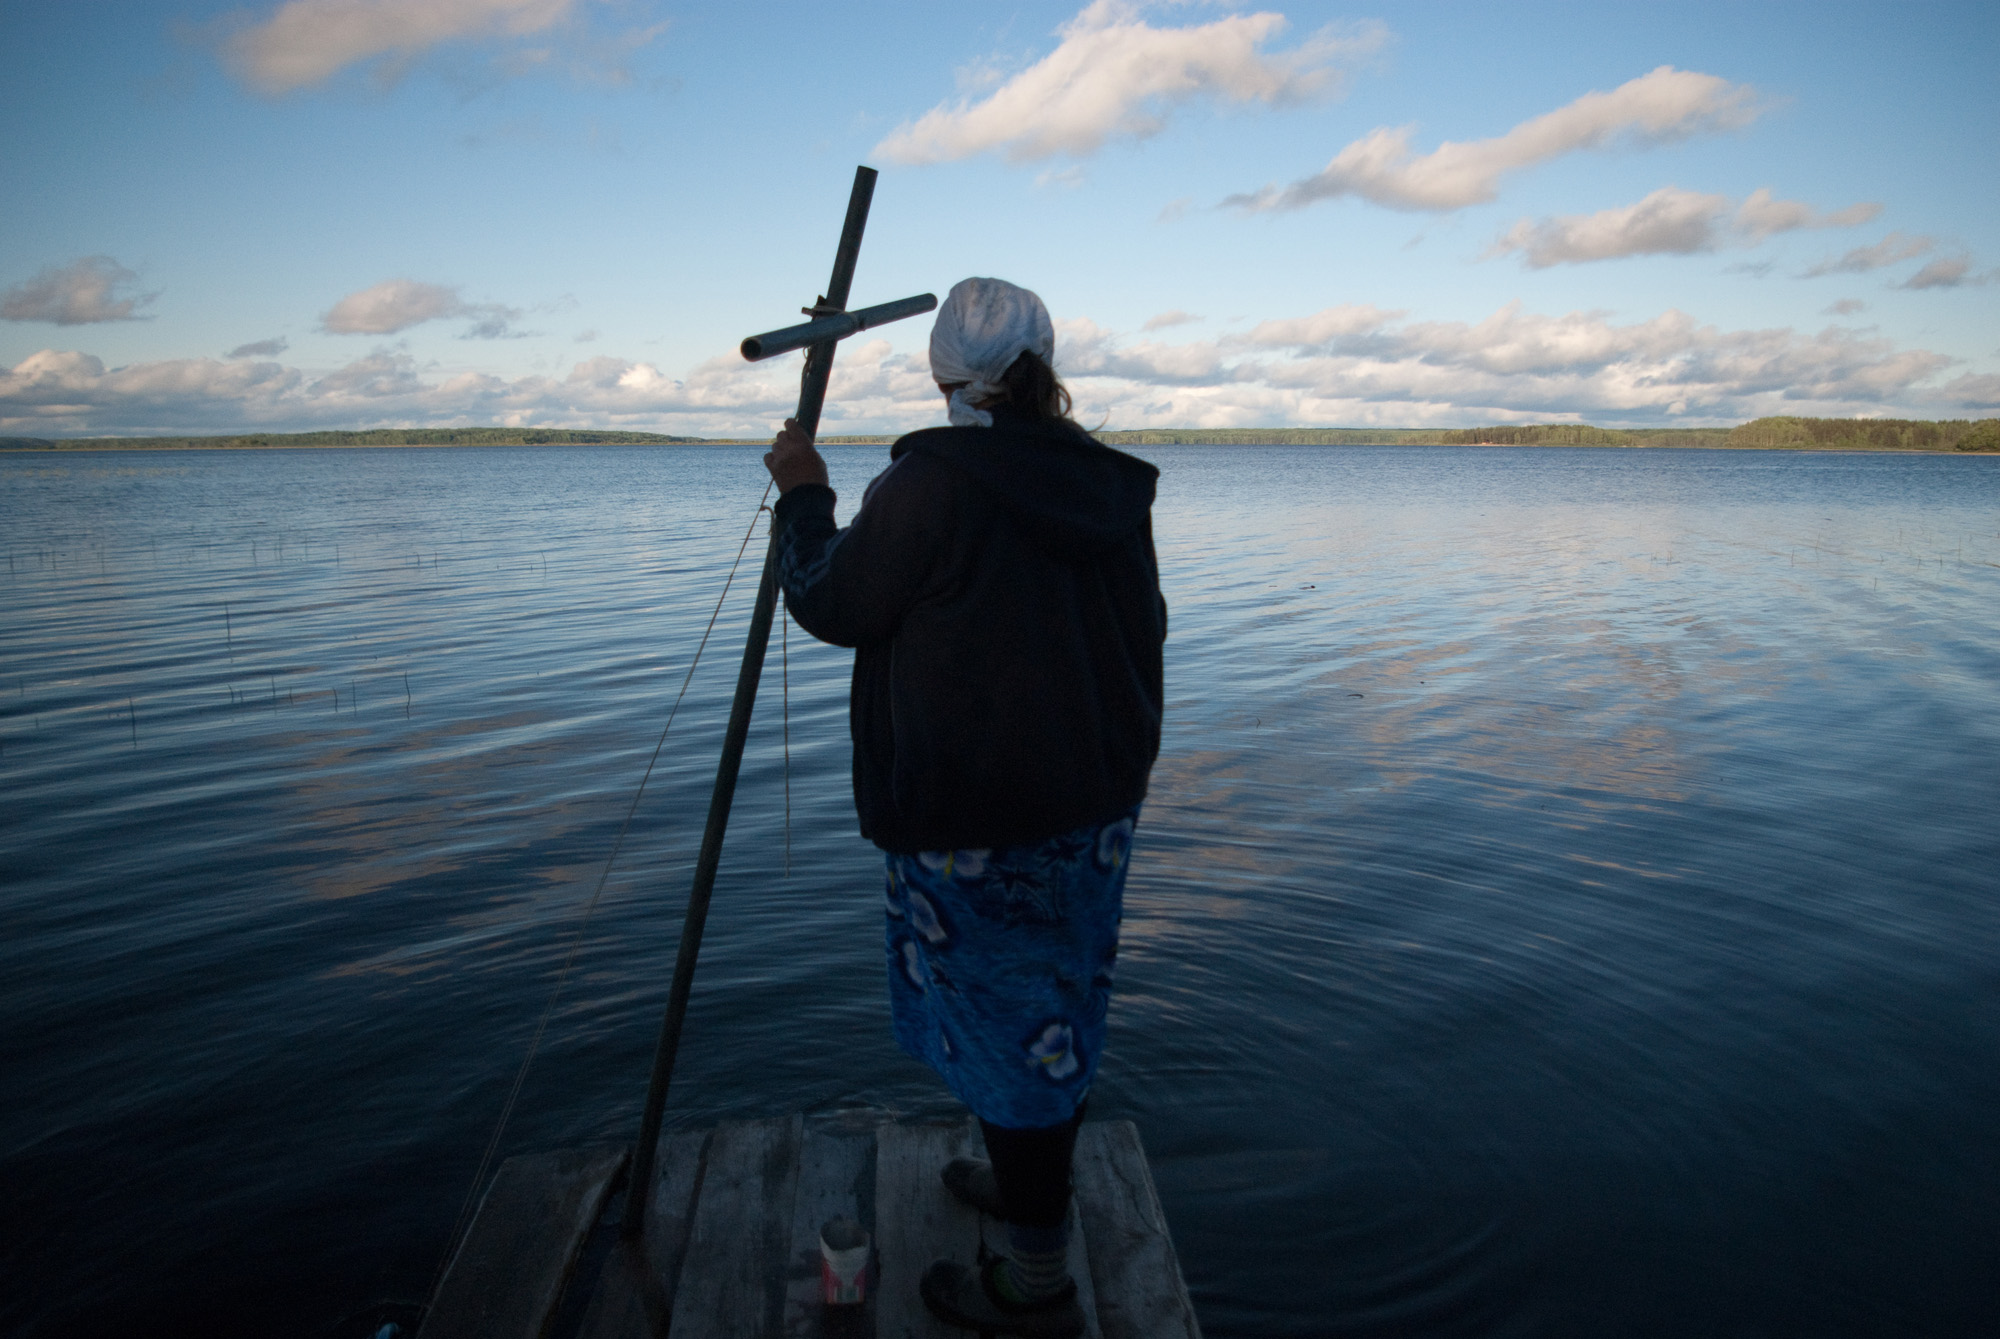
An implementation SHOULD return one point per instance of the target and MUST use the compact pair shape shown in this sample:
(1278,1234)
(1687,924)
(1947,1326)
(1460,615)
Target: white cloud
(1086,349)
(80,293)
(1972,392)
(394,304)
(1845,307)
(398,304)
(1948,272)
(67,393)
(1670,221)
(1360,365)
(1345,365)
(1656,108)
(308,41)
(305,42)
(1762,216)
(1895,247)
(261,348)
(1169,318)
(492,321)
(1115,75)
(57,391)
(380,375)
(1323,329)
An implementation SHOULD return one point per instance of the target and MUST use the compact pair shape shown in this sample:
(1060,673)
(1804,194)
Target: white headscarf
(983,326)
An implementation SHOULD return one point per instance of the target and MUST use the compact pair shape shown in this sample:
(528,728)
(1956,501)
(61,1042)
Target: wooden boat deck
(732,1238)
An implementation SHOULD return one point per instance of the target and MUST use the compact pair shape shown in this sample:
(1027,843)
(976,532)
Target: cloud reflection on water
(1641,879)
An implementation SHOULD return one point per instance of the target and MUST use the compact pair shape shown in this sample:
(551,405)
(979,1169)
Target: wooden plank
(918,1221)
(836,1180)
(634,1298)
(1140,1292)
(732,1283)
(509,1272)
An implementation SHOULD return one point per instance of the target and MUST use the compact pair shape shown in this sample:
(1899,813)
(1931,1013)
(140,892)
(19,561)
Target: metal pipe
(838,326)
(639,1188)
(812,393)
(819,356)
(859,197)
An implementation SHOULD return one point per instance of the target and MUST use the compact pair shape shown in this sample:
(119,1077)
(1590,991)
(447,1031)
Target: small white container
(843,1263)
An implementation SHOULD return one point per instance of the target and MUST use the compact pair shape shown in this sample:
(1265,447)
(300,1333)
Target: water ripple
(1566,904)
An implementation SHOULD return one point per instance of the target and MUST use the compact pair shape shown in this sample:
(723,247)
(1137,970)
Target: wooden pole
(812,397)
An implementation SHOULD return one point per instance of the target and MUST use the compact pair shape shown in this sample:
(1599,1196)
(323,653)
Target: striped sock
(1037,1262)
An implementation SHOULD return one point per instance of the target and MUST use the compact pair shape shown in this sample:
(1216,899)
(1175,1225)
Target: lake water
(1567,903)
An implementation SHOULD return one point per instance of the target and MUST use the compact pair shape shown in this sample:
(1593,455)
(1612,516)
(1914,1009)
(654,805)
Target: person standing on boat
(999,588)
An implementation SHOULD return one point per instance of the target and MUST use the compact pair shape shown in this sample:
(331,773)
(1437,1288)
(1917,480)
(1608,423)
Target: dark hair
(1034,389)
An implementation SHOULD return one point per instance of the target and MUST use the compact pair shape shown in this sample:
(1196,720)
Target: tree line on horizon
(369,437)
(1879,434)
(1782,432)
(1773,433)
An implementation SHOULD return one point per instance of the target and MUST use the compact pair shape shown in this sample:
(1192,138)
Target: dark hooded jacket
(1000,591)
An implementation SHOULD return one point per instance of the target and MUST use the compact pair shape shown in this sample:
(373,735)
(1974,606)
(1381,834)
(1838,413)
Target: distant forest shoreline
(1764,434)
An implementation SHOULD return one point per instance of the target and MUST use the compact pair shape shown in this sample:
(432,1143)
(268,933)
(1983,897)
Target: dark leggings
(1031,1168)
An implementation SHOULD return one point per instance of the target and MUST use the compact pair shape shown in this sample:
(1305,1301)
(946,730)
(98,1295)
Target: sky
(567,213)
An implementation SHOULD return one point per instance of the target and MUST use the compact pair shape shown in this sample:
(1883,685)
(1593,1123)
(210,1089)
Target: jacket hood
(1075,496)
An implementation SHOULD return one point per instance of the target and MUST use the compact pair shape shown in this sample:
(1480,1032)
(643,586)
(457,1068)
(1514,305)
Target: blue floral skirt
(1000,965)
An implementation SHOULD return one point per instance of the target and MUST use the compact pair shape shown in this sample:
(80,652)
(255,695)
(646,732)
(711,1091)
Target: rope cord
(785,689)
(460,1224)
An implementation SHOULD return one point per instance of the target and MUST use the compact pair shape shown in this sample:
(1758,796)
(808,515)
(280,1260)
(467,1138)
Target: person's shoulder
(1057,434)
(931,455)
(925,440)
(1009,431)
(913,475)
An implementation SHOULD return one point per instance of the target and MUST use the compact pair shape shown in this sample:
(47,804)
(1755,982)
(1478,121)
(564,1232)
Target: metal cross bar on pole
(839,326)
(832,322)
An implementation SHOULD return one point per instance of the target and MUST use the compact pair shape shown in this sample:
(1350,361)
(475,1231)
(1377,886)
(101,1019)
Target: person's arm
(851,586)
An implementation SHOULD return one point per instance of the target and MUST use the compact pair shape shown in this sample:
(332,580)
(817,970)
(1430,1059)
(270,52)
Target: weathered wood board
(732,1282)
(917,1221)
(509,1272)
(732,1240)
(634,1298)
(1140,1292)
